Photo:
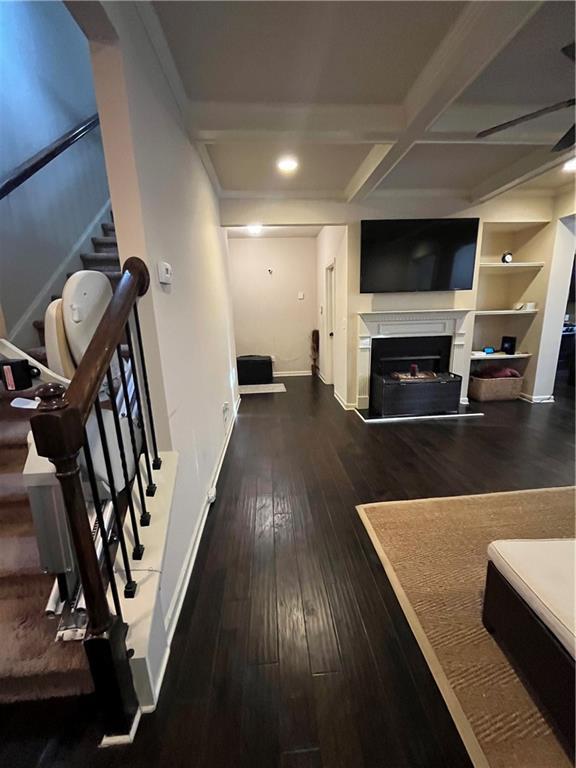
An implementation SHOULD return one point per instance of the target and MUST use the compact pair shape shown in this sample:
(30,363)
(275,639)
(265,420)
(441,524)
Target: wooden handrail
(27,169)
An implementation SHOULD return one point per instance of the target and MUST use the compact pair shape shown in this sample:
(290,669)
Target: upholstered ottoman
(529,608)
(254,369)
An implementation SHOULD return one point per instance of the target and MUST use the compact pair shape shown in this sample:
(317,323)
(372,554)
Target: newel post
(59,436)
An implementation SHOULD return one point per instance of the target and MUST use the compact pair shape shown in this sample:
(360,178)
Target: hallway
(291,649)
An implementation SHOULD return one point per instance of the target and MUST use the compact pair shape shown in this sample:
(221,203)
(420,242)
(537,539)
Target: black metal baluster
(157,461)
(138,550)
(102,526)
(130,588)
(144,514)
(151,489)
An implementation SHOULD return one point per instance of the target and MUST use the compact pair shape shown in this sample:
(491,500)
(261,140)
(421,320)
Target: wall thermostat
(164,273)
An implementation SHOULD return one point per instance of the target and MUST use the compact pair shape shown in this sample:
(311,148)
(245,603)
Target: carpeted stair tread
(18,557)
(104,244)
(12,459)
(15,514)
(96,261)
(32,664)
(12,490)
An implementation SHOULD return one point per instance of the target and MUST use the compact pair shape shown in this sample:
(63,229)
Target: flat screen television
(399,255)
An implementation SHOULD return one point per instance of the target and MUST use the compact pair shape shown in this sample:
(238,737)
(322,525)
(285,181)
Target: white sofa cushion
(542,571)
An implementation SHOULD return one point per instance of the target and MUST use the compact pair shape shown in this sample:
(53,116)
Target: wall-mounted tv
(399,255)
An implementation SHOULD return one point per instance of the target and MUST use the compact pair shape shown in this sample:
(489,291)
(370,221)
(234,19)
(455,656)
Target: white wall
(165,209)
(46,89)
(555,302)
(269,319)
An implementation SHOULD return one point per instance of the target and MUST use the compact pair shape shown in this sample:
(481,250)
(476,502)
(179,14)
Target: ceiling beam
(328,123)
(544,139)
(481,31)
(517,173)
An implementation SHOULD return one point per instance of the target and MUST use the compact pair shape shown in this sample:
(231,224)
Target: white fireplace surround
(413,322)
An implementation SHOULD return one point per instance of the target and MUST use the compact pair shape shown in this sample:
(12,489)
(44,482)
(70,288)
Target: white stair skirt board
(396,419)
(260,389)
(126,738)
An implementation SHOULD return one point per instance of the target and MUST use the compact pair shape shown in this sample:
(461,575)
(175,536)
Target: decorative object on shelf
(488,350)
(525,306)
(507,257)
(508,345)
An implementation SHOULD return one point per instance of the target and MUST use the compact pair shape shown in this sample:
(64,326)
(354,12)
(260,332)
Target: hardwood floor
(291,649)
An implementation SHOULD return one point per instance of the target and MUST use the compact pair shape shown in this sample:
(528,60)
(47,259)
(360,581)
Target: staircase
(32,664)
(104,258)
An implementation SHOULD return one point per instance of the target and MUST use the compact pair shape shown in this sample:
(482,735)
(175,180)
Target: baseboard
(343,403)
(282,374)
(322,379)
(537,398)
(147,709)
(173,613)
(433,417)
(43,296)
(125,738)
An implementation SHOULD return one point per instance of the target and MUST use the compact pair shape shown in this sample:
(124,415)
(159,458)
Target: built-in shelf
(511,227)
(517,312)
(498,355)
(490,267)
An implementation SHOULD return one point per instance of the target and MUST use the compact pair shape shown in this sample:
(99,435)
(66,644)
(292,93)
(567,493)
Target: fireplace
(410,376)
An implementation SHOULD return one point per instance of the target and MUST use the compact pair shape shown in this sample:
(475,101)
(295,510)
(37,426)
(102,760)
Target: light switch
(300,295)
(164,273)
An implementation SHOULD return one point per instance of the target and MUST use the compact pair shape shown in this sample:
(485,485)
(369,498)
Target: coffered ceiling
(371,97)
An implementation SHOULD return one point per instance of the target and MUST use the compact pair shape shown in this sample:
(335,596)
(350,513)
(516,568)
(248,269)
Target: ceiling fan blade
(525,118)
(567,141)
(569,50)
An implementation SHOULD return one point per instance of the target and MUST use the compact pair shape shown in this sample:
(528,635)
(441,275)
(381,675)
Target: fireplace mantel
(411,322)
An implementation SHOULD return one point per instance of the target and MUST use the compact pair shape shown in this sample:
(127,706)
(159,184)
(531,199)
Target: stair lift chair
(70,324)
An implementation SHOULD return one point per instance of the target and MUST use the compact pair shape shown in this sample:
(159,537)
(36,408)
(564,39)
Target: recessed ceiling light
(570,166)
(287,164)
(254,229)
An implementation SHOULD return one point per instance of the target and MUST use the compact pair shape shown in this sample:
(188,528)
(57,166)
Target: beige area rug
(260,389)
(434,553)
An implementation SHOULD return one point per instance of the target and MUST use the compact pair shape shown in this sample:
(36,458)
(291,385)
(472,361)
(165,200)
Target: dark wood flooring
(291,650)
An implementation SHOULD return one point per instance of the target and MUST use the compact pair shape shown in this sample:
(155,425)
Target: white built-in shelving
(496,312)
(499,356)
(502,286)
(498,268)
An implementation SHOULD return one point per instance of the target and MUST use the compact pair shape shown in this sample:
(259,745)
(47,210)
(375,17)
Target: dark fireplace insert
(410,376)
